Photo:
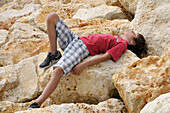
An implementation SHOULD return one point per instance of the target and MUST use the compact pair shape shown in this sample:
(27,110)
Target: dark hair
(140,48)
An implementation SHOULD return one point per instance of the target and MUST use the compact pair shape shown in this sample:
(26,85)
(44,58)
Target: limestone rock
(8,17)
(143,81)
(25,81)
(23,41)
(65,11)
(108,106)
(129,5)
(95,3)
(15,13)
(2,2)
(87,27)
(11,107)
(3,36)
(152,20)
(20,4)
(103,11)
(92,86)
(159,105)
(19,83)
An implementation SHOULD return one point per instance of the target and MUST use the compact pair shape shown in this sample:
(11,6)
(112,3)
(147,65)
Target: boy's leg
(50,87)
(57,30)
(52,20)
(54,55)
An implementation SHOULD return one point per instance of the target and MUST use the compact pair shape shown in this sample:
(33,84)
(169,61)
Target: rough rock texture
(18,13)
(92,86)
(129,5)
(3,36)
(87,27)
(8,17)
(160,105)
(19,83)
(2,2)
(143,81)
(10,107)
(108,106)
(104,11)
(152,20)
(22,41)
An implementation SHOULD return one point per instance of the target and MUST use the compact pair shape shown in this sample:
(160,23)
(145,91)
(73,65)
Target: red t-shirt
(102,43)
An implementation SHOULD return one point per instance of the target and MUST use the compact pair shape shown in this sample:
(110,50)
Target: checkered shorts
(74,48)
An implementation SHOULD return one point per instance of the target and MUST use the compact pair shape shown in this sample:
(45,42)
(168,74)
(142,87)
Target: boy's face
(129,37)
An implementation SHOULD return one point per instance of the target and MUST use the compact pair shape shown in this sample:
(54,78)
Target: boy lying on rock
(77,48)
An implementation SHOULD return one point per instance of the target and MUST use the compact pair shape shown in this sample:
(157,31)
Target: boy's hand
(79,68)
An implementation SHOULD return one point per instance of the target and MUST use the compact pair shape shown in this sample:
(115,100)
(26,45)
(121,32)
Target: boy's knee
(52,17)
(58,72)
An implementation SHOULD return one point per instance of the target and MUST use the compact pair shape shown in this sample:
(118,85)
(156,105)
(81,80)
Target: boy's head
(136,43)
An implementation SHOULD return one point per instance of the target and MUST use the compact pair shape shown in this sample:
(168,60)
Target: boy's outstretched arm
(80,67)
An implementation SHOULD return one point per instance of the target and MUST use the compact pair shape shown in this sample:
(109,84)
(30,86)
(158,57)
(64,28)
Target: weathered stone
(3,36)
(25,81)
(28,9)
(108,106)
(129,5)
(95,3)
(65,11)
(160,105)
(103,11)
(152,20)
(143,81)
(23,41)
(87,27)
(2,2)
(92,86)
(20,4)
(19,83)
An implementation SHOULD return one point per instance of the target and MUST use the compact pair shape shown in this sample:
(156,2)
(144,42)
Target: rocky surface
(143,81)
(106,12)
(159,105)
(23,41)
(129,5)
(152,20)
(2,2)
(108,106)
(21,77)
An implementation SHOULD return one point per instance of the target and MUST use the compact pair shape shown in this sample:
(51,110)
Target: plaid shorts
(74,48)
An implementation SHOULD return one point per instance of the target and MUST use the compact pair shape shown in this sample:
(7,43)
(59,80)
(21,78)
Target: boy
(77,48)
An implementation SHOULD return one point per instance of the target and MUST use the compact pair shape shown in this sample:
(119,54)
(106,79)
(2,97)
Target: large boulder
(19,83)
(152,20)
(103,11)
(26,81)
(143,81)
(160,105)
(21,42)
(92,86)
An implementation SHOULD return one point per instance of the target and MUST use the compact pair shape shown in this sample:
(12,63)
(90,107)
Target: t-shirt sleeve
(117,51)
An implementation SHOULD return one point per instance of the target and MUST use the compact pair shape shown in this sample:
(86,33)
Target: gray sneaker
(50,59)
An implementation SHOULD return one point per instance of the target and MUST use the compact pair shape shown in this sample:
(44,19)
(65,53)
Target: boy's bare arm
(80,67)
